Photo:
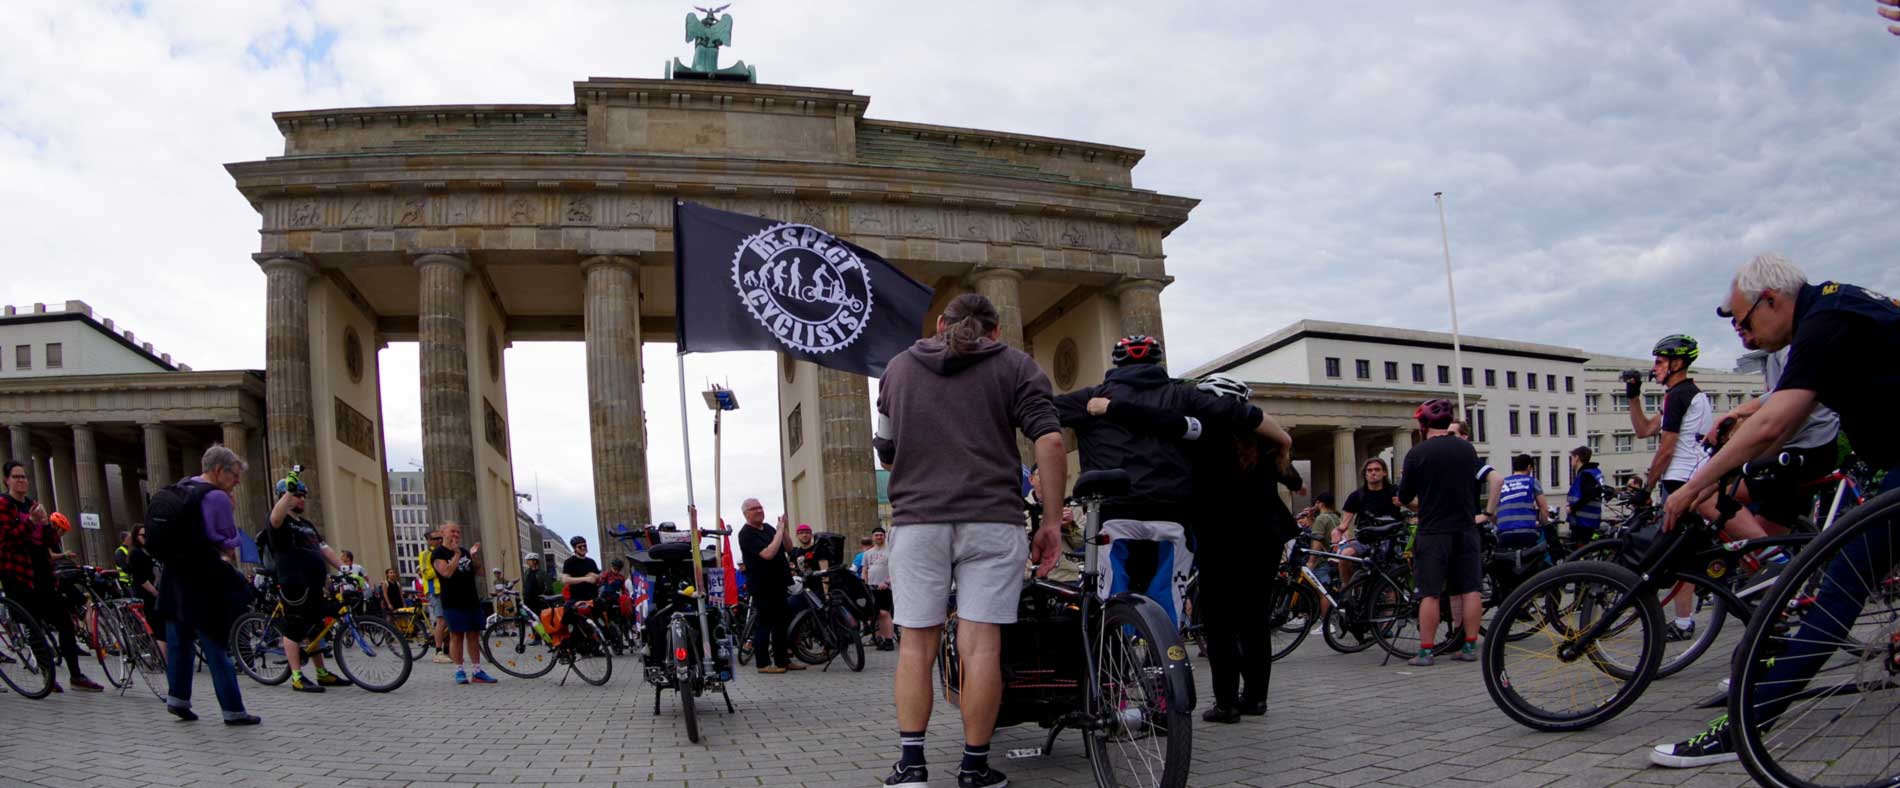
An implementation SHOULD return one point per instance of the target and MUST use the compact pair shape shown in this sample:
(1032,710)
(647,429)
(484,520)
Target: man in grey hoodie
(949,408)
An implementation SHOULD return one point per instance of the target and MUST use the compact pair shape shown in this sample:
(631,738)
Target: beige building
(1613,441)
(468,228)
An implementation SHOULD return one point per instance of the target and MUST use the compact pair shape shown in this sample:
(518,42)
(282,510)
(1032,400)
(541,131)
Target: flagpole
(1457,350)
(692,511)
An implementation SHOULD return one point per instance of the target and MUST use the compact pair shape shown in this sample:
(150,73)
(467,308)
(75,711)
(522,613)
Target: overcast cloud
(1606,165)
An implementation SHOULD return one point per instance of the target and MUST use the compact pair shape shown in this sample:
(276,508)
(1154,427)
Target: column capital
(1133,284)
(458,258)
(1344,430)
(980,274)
(619,258)
(285,261)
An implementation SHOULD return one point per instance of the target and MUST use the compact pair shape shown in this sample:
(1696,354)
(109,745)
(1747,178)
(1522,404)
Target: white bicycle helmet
(1222,385)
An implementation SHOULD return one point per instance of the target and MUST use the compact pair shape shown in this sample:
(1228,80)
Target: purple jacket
(220,518)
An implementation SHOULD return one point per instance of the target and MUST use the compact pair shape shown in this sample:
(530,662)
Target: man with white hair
(1841,340)
(767,575)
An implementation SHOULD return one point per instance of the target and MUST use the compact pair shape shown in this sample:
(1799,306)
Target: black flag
(746,283)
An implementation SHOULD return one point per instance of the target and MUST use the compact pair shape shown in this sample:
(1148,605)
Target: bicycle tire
(851,647)
(808,643)
(1299,604)
(684,650)
(1767,636)
(524,655)
(1706,633)
(22,639)
(257,647)
(1544,596)
(1130,655)
(420,632)
(597,667)
(745,636)
(109,648)
(1353,635)
(1392,612)
(360,639)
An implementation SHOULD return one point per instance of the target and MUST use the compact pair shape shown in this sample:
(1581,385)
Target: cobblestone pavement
(1336,720)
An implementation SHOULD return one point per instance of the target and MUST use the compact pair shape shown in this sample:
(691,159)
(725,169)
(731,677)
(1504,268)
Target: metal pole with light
(1457,350)
(720,399)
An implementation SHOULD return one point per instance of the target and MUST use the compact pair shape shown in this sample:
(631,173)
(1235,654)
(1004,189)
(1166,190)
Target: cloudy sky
(1606,165)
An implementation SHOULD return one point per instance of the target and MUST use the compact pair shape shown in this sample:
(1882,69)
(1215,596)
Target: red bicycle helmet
(1136,349)
(1434,414)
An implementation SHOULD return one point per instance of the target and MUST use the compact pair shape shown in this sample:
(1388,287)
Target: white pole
(1457,349)
(699,572)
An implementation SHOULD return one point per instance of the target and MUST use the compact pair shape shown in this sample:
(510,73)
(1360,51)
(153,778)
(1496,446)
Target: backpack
(174,521)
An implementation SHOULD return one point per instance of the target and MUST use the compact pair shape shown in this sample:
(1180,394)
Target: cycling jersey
(1687,413)
(1517,502)
(1845,340)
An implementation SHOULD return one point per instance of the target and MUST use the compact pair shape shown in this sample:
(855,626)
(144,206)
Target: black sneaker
(1677,632)
(985,777)
(1714,745)
(1221,714)
(1255,709)
(907,777)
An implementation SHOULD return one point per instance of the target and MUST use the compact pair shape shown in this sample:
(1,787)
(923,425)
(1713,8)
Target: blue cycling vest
(1517,503)
(1586,515)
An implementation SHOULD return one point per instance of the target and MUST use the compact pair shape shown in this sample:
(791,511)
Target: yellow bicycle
(416,627)
(368,650)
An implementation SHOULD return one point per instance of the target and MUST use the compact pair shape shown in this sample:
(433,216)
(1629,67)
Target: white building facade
(409,516)
(1612,440)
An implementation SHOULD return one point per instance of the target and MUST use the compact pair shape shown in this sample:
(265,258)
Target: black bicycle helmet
(1680,346)
(1136,349)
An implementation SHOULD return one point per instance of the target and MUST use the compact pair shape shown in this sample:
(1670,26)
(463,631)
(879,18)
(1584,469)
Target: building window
(1625,441)
(1491,378)
(1332,367)
(1392,370)
(1591,402)
(1624,477)
(1734,400)
(1595,442)
(1619,403)
(1652,402)
(1550,382)
(1553,425)
(23,357)
(795,429)
(1362,369)
(1570,423)
(1418,373)
(55,355)
(1512,419)
(1444,375)
(1510,379)
(1530,381)
(1570,385)
(1652,443)
(1535,424)
(1467,376)
(1478,430)
(1556,471)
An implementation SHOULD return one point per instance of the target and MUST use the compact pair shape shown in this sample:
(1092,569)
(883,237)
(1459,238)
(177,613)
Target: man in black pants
(1448,557)
(766,576)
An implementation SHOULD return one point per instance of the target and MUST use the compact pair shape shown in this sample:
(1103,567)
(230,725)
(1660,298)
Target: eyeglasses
(16,478)
(1742,322)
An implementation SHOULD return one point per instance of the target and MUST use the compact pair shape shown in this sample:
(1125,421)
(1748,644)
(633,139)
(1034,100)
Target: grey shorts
(987,561)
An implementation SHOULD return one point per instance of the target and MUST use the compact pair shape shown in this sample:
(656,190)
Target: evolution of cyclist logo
(806,287)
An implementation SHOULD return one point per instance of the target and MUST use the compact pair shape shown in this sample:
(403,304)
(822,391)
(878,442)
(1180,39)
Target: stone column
(1140,301)
(244,502)
(43,482)
(92,495)
(448,443)
(288,408)
(191,455)
(1401,445)
(158,466)
(65,481)
(23,451)
(134,499)
(615,419)
(1345,464)
(844,430)
(1003,287)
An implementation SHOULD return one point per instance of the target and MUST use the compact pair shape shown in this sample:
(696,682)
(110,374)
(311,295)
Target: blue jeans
(1837,604)
(178,670)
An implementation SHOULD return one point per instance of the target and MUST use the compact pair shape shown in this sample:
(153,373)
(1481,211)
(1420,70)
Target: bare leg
(980,647)
(1474,611)
(1427,619)
(884,628)
(915,653)
(294,655)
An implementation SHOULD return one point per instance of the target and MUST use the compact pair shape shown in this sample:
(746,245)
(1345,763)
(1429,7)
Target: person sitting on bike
(1585,498)
(304,562)
(1377,499)
(27,543)
(1686,417)
(1518,506)
(1148,551)
(1780,500)
(1448,555)
(580,575)
(1831,331)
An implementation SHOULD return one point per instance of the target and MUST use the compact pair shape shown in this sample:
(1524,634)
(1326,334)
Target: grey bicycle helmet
(1223,385)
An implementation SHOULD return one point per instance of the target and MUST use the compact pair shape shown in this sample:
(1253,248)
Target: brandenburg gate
(468,228)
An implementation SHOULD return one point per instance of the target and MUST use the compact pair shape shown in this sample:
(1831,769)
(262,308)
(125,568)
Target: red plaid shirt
(19,537)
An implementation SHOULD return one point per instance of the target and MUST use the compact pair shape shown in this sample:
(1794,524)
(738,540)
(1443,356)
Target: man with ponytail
(948,412)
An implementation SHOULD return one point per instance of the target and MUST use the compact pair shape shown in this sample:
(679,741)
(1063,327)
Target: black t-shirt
(142,569)
(298,549)
(576,566)
(762,575)
(458,591)
(805,558)
(1847,359)
(1364,503)
(1438,475)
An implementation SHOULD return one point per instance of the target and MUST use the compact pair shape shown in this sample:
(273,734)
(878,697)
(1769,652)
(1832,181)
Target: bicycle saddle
(1106,484)
(1381,532)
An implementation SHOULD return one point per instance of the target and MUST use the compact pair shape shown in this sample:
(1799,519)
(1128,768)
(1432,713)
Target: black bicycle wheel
(1546,681)
(745,635)
(1815,693)
(685,655)
(109,647)
(29,664)
(850,645)
(257,644)
(1295,611)
(371,653)
(1392,614)
(592,655)
(416,628)
(1707,610)
(513,646)
(1346,630)
(808,640)
(1150,743)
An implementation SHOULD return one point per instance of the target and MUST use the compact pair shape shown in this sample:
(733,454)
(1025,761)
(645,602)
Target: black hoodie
(947,427)
(1160,478)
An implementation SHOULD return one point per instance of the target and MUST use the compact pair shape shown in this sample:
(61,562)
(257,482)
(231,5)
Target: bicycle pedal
(1023,752)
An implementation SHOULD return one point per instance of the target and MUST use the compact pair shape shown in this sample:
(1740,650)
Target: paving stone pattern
(1336,720)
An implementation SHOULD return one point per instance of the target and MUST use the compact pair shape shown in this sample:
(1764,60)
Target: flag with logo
(747,283)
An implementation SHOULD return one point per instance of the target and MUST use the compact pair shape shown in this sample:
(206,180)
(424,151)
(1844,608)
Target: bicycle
(416,627)
(113,623)
(1607,616)
(26,662)
(368,650)
(1296,607)
(1391,601)
(524,647)
(1113,669)
(828,628)
(675,655)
